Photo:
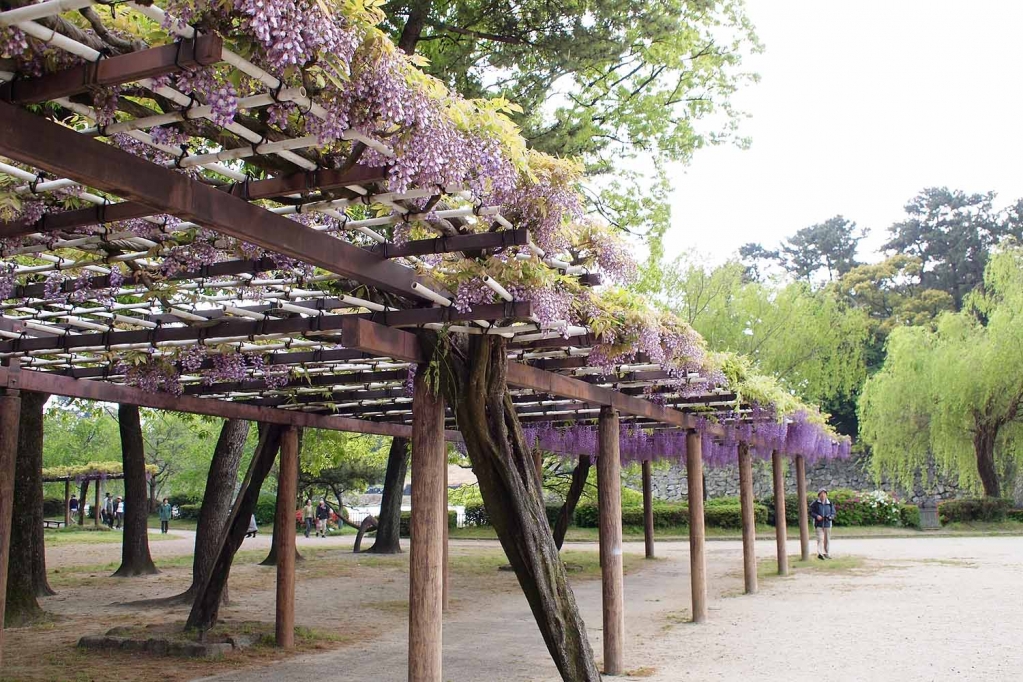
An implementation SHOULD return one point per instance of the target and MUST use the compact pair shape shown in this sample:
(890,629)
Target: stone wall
(670,483)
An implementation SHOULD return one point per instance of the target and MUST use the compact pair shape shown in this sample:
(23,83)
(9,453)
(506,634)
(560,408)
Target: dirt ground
(928,608)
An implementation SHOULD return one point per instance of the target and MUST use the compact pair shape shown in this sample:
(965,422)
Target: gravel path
(921,609)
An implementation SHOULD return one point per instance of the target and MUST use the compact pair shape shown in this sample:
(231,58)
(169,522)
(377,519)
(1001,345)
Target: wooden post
(67,503)
(749,522)
(447,579)
(287,490)
(429,518)
(779,512)
(804,510)
(609,507)
(648,511)
(10,415)
(697,560)
(95,506)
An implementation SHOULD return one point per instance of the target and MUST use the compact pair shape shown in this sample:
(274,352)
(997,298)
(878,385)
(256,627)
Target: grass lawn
(768,567)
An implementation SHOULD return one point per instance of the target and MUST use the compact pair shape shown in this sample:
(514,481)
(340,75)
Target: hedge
(983,509)
(723,513)
(909,515)
(1015,515)
(190,511)
(266,509)
(406,520)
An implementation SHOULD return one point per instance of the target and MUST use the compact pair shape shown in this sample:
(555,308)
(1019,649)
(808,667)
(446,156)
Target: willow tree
(954,395)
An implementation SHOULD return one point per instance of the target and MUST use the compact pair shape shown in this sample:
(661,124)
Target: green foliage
(404,525)
(266,509)
(829,246)
(874,508)
(340,463)
(724,514)
(965,511)
(819,358)
(953,395)
(909,515)
(190,512)
(475,514)
(952,234)
(92,470)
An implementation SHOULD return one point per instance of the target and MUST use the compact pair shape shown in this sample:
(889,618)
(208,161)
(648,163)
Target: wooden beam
(779,512)
(804,510)
(45,382)
(203,50)
(429,516)
(287,492)
(32,140)
(10,414)
(609,506)
(697,557)
(300,182)
(749,523)
(463,242)
(231,327)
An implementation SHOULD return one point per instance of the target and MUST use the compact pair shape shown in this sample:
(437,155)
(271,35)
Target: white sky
(861,105)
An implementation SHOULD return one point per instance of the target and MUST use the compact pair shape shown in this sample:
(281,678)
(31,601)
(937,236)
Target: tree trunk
(26,577)
(389,521)
(271,557)
(216,505)
(984,447)
(135,557)
(575,491)
(419,10)
(82,492)
(206,606)
(474,378)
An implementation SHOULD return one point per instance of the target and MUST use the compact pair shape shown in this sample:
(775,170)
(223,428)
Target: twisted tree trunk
(216,505)
(473,372)
(26,578)
(206,606)
(575,491)
(135,557)
(389,522)
(984,439)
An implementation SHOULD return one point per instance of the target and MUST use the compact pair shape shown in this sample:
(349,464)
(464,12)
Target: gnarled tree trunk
(984,438)
(216,504)
(206,606)
(389,522)
(575,491)
(135,557)
(474,377)
(26,578)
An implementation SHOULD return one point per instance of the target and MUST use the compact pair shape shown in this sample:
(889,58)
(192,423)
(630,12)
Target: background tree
(952,234)
(175,443)
(388,535)
(828,248)
(135,557)
(955,392)
(26,577)
(597,80)
(812,341)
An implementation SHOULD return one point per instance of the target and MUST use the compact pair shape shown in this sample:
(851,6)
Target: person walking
(322,515)
(118,511)
(253,528)
(308,517)
(73,508)
(165,515)
(108,511)
(823,513)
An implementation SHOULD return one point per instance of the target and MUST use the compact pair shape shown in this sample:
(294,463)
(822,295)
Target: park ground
(925,607)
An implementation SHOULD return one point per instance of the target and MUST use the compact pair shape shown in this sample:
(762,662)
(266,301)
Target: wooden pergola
(339,342)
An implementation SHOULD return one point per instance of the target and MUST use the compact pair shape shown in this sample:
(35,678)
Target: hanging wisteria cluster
(797,435)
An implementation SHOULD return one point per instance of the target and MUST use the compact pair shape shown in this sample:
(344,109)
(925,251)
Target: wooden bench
(47,523)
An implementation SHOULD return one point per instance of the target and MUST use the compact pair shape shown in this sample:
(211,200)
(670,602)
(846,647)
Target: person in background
(108,511)
(73,508)
(308,517)
(165,515)
(118,512)
(822,511)
(253,528)
(322,515)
